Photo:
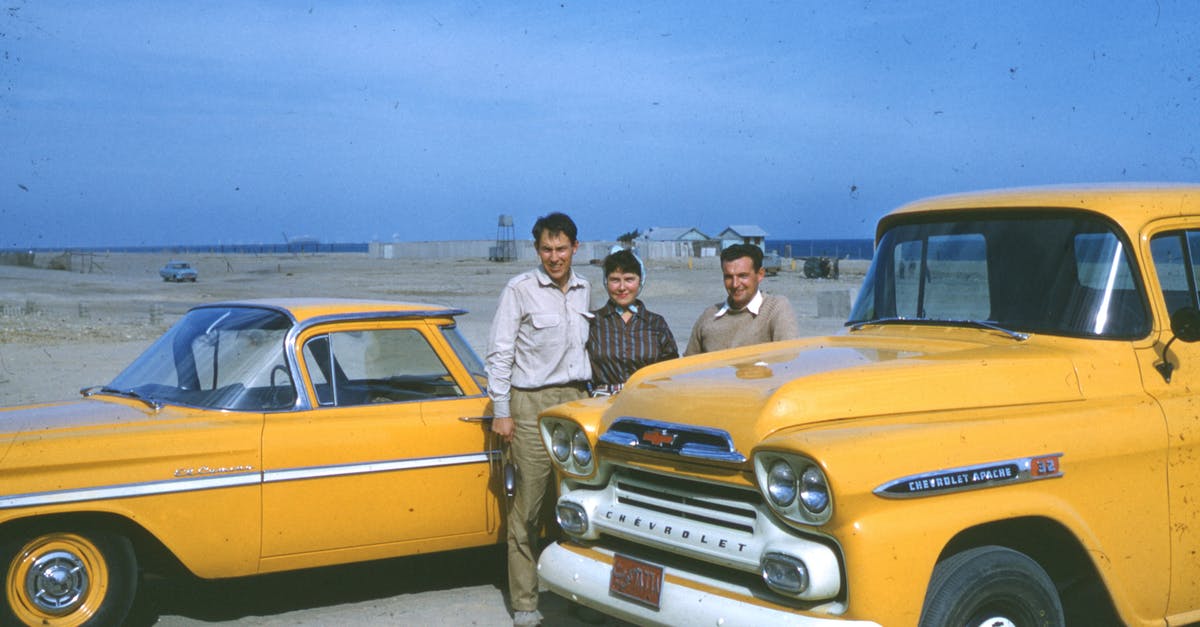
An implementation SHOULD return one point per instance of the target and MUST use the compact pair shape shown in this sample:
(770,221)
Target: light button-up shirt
(538,336)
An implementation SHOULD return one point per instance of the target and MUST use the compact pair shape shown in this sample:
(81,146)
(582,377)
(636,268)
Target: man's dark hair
(555,223)
(737,251)
(622,261)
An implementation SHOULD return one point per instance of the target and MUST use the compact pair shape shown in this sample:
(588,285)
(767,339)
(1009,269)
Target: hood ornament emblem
(659,438)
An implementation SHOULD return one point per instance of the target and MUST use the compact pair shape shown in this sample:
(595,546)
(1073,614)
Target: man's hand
(504,427)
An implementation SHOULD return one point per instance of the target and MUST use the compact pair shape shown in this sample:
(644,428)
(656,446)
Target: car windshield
(218,358)
(1043,271)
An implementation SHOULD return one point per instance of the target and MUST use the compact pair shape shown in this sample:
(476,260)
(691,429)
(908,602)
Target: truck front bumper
(581,574)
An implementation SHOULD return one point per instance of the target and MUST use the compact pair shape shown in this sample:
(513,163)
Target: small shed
(674,234)
(677,241)
(743,234)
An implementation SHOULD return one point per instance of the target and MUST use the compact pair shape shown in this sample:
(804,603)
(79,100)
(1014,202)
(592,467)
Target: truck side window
(1175,263)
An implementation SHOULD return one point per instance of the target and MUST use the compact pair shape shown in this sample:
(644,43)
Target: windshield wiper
(104,389)
(982,324)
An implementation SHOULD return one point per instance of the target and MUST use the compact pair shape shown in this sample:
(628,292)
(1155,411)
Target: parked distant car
(178,271)
(772,263)
(253,437)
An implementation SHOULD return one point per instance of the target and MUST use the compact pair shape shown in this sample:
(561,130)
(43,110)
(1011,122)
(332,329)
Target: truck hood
(751,392)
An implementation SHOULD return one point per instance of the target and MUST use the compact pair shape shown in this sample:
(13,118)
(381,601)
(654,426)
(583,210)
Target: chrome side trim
(129,490)
(341,470)
(974,477)
(195,484)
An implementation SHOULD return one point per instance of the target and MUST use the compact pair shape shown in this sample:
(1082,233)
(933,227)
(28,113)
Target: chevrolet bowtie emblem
(659,438)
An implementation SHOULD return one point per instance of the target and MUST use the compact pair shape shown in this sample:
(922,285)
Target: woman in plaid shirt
(624,335)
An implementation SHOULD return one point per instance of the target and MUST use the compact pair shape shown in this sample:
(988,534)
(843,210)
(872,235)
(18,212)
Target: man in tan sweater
(747,316)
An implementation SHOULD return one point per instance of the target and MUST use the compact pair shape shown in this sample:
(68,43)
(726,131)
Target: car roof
(307,309)
(1130,205)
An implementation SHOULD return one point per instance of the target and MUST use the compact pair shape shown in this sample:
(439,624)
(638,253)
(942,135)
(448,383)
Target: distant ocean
(840,248)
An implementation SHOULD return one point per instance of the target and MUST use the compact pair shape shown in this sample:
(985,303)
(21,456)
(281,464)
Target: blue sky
(149,123)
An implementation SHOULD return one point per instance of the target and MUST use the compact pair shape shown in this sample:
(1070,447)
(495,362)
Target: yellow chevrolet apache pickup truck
(253,437)
(1007,432)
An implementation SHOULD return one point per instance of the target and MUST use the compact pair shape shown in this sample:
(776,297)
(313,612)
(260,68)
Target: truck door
(1176,257)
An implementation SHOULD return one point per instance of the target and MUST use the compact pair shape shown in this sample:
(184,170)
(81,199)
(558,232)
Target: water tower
(506,242)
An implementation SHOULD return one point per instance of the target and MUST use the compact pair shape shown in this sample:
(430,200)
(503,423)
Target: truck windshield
(1039,271)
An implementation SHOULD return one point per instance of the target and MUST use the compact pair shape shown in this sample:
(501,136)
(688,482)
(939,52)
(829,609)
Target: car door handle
(476,418)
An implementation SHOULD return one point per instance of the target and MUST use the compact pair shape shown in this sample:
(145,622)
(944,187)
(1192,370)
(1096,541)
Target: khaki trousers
(534,474)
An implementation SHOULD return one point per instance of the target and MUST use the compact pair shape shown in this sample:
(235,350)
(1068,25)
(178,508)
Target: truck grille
(724,506)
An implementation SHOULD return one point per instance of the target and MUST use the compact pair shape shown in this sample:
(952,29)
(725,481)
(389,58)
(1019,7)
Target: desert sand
(62,330)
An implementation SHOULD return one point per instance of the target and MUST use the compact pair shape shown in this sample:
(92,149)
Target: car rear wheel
(991,586)
(68,579)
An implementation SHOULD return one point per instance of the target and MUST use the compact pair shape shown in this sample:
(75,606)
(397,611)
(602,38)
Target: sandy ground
(62,330)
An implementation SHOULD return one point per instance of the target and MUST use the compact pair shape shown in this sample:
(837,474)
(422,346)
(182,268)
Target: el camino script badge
(209,470)
(973,477)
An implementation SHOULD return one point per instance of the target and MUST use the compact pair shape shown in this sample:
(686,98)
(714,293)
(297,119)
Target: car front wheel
(68,579)
(991,586)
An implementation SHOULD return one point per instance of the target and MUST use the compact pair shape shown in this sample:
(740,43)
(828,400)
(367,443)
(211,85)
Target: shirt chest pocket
(553,329)
(547,330)
(544,321)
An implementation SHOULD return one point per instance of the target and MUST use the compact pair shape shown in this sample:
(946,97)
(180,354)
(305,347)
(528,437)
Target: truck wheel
(68,579)
(991,586)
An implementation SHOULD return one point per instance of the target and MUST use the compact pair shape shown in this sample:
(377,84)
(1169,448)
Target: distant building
(743,234)
(674,234)
(677,241)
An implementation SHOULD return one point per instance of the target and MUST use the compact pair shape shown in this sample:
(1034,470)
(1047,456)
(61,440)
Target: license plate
(636,580)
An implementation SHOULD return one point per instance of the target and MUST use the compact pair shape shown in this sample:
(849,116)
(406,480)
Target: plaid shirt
(617,348)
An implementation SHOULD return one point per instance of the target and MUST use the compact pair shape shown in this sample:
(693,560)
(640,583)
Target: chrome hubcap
(57,581)
(997,621)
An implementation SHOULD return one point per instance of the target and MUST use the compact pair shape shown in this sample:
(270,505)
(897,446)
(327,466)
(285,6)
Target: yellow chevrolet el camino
(252,437)
(1007,433)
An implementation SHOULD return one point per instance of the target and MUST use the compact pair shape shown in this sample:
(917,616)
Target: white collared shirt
(753,306)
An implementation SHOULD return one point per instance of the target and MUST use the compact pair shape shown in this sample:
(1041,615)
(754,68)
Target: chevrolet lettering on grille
(646,526)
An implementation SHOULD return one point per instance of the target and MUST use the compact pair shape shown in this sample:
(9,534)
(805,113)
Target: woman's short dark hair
(556,222)
(622,261)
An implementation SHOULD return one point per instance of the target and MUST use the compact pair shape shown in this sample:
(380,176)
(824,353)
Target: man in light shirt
(536,358)
(747,316)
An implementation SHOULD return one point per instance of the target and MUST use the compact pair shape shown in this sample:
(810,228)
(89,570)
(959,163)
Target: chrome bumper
(582,575)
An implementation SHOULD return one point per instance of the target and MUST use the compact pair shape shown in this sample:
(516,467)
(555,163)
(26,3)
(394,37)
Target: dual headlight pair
(795,487)
(568,444)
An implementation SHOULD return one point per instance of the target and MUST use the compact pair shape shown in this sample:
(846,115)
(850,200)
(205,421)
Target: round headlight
(560,443)
(814,491)
(581,449)
(781,483)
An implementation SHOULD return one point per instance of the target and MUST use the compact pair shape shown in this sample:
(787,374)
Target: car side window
(377,366)
(1176,257)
